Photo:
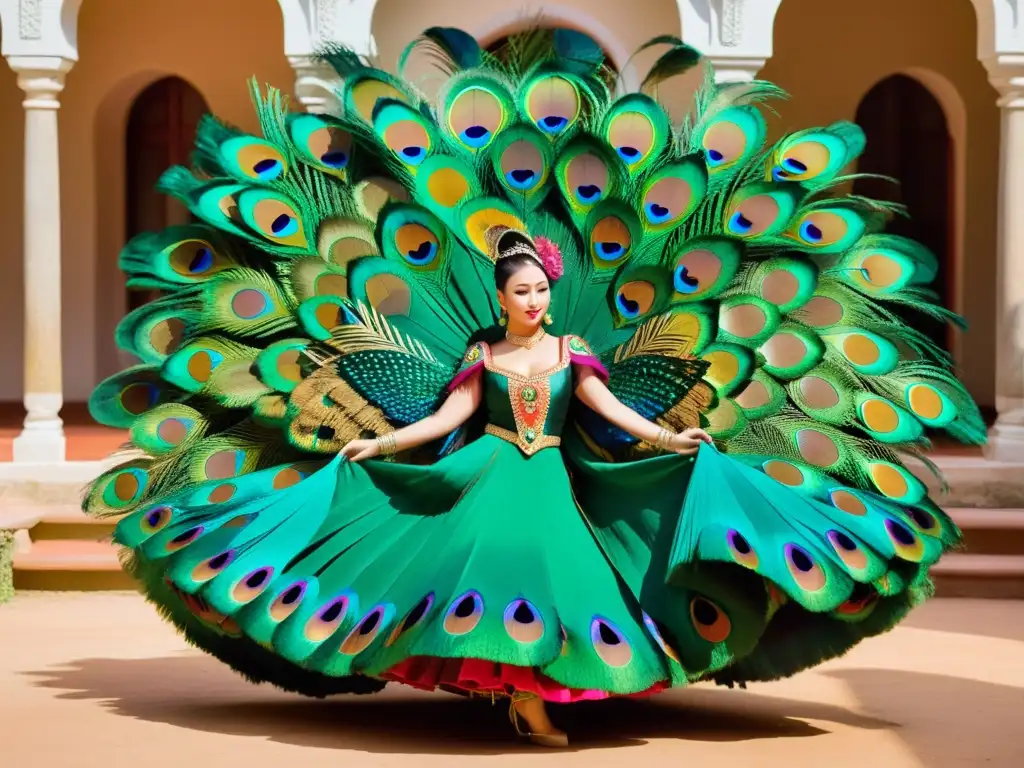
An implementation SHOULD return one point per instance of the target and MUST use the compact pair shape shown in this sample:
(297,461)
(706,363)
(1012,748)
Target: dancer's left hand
(688,441)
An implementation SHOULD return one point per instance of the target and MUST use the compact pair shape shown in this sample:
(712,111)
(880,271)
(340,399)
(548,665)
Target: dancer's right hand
(357,450)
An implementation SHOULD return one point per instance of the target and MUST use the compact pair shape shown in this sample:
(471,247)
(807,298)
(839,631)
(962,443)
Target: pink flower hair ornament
(550,257)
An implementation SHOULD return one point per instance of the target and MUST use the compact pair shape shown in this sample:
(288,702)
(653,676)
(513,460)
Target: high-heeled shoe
(551,740)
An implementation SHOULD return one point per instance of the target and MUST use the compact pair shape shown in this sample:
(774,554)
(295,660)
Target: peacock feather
(338,271)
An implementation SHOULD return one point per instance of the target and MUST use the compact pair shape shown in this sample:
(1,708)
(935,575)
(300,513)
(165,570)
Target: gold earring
(548,320)
(503,320)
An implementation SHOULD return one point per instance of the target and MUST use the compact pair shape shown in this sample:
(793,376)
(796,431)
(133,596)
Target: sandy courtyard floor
(98,680)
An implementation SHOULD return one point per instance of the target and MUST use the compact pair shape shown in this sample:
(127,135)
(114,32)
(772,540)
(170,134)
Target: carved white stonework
(308,24)
(41,78)
(731,22)
(734,35)
(30,19)
(325,19)
(40,28)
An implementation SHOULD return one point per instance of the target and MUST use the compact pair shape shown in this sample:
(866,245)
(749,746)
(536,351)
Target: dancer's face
(526,297)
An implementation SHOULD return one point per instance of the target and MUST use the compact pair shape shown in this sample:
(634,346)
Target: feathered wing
(338,270)
(786,292)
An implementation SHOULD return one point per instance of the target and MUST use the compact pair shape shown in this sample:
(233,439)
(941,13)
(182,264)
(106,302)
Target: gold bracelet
(664,440)
(387,444)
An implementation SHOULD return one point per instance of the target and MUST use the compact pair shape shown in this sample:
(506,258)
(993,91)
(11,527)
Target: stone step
(70,565)
(70,522)
(973,481)
(990,531)
(989,576)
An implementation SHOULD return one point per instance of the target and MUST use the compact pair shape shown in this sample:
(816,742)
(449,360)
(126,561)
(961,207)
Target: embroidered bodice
(528,411)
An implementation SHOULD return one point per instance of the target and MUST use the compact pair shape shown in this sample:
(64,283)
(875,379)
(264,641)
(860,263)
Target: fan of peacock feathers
(338,273)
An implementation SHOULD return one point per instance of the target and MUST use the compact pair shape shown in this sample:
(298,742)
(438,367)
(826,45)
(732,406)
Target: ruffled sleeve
(581,356)
(472,362)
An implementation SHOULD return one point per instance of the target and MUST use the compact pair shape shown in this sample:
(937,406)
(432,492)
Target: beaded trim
(542,441)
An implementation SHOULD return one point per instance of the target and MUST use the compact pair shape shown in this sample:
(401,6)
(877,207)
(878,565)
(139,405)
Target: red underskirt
(477,675)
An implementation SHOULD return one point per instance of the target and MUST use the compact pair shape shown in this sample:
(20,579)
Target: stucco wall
(124,45)
(829,55)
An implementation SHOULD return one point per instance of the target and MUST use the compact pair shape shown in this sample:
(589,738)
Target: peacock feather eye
(631,134)
(610,241)
(327,620)
(183,539)
(673,193)
(412,619)
(222,493)
(704,268)
(635,299)
(741,550)
(587,178)
(367,630)
(225,464)
(731,138)
(156,519)
(417,244)
(122,488)
(710,621)
(464,613)
(848,550)
(274,217)
(553,104)
(252,585)
(522,166)
(908,544)
(610,643)
(209,568)
(925,522)
(816,155)
(253,159)
(322,142)
(475,116)
(409,140)
(447,182)
(808,574)
(759,210)
(193,258)
(405,132)
(523,622)
(287,601)
(828,230)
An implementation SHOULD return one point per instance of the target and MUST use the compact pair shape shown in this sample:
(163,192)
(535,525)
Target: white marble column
(734,35)
(1007,436)
(42,438)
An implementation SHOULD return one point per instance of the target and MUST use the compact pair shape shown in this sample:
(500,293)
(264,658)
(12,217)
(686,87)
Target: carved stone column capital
(41,78)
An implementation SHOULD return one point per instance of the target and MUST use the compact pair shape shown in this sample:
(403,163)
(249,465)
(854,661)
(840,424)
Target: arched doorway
(161,129)
(909,140)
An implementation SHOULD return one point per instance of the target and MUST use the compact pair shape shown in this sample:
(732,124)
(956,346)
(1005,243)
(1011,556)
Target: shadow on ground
(198,693)
(945,721)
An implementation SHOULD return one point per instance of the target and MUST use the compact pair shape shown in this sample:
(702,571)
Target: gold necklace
(526,341)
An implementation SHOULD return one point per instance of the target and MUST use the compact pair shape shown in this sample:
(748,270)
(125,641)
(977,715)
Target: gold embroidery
(530,398)
(541,441)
